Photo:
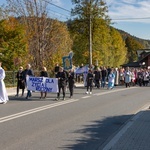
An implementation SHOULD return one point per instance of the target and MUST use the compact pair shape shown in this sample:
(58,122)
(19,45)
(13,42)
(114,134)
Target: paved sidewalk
(135,135)
(11,91)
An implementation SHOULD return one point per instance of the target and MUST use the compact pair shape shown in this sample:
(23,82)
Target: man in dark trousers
(71,81)
(104,77)
(97,77)
(62,77)
(89,79)
(27,72)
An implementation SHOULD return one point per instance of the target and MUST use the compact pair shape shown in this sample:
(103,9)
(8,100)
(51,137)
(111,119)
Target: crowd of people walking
(95,77)
(127,77)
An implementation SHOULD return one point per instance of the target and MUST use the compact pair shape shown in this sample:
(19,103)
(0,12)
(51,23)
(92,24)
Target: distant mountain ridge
(145,43)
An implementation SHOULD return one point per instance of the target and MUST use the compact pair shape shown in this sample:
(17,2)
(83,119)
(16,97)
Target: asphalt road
(85,122)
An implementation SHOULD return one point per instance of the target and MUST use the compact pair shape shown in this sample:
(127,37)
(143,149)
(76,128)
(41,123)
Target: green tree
(92,13)
(108,47)
(132,46)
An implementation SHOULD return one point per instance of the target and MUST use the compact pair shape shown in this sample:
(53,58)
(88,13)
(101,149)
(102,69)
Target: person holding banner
(27,72)
(62,77)
(43,73)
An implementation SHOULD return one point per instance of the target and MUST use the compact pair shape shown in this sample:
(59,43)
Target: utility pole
(90,39)
(90,31)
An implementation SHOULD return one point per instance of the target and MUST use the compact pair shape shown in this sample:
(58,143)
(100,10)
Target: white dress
(3,93)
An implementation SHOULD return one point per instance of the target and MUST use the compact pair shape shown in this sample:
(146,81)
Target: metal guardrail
(11,80)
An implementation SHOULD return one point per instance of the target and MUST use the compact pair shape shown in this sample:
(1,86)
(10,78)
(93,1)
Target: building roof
(140,51)
(131,64)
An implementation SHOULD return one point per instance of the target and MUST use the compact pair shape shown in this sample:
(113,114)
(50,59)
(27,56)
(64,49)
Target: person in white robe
(3,93)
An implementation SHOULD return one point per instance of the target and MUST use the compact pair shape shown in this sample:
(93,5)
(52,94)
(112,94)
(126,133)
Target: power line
(58,12)
(131,18)
(58,6)
(111,19)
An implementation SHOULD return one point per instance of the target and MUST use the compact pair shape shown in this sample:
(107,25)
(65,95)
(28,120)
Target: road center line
(86,97)
(31,111)
(112,91)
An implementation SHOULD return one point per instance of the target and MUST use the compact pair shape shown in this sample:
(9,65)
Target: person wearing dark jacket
(27,72)
(56,69)
(89,79)
(62,77)
(67,74)
(43,73)
(71,81)
(20,82)
(104,77)
(97,77)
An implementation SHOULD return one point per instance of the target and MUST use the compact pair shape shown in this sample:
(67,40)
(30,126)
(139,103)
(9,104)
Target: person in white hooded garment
(3,93)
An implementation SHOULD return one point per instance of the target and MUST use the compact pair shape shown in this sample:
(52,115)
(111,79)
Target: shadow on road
(97,134)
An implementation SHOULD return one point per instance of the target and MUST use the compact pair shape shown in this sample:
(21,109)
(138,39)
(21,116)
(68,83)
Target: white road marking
(112,91)
(31,111)
(86,97)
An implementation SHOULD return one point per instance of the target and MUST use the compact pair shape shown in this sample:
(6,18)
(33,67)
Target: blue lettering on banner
(49,81)
(35,84)
(43,84)
(44,89)
(36,79)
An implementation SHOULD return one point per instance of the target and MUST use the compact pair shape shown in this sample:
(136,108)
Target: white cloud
(119,9)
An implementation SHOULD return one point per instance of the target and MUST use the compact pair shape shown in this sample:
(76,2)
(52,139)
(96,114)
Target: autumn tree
(34,15)
(132,47)
(118,50)
(13,43)
(60,44)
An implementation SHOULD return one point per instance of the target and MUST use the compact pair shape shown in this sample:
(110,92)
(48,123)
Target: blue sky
(132,16)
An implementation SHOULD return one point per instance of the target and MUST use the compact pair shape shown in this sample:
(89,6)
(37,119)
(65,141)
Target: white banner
(43,84)
(84,69)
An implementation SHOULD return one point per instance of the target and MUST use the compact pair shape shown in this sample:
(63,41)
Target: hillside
(144,42)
